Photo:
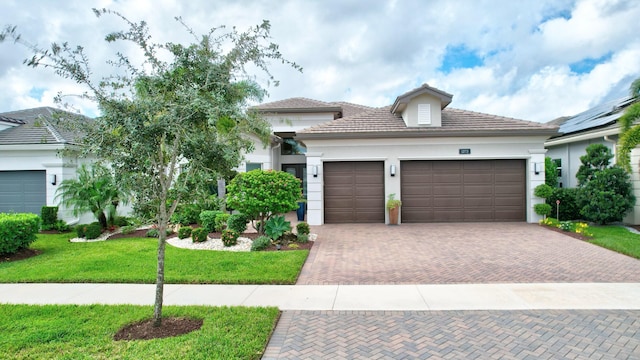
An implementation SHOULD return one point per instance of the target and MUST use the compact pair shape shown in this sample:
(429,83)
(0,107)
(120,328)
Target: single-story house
(32,165)
(445,164)
(598,125)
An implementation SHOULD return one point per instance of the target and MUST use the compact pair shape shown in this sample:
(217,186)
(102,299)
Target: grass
(616,238)
(134,260)
(86,332)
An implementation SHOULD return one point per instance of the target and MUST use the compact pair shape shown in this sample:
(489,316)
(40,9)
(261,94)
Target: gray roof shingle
(36,127)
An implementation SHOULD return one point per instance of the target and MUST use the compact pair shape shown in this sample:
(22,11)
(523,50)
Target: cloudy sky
(528,59)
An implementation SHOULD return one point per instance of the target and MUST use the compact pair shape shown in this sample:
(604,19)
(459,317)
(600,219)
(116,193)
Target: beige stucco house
(445,164)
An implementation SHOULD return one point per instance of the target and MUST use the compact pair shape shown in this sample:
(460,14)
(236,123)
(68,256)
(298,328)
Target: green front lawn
(135,261)
(616,238)
(86,332)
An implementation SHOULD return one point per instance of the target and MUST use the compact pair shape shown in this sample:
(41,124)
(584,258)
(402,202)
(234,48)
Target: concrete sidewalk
(594,296)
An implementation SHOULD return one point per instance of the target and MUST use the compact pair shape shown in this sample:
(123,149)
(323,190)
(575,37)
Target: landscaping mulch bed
(20,255)
(145,330)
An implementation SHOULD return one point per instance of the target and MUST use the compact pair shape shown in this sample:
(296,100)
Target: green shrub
(199,234)
(568,209)
(303,228)
(229,237)
(17,231)
(92,231)
(542,209)
(543,191)
(127,229)
(607,196)
(154,233)
(188,214)
(260,243)
(550,172)
(237,223)
(61,226)
(303,238)
(184,232)
(221,221)
(121,221)
(566,226)
(208,219)
(80,230)
(49,216)
(276,227)
(261,193)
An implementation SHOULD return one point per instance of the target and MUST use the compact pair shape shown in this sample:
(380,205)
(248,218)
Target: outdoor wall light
(536,168)
(52,179)
(392,170)
(314,170)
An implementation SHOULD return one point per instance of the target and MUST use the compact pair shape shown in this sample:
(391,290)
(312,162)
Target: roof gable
(403,100)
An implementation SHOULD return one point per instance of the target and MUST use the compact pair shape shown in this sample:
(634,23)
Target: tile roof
(455,122)
(36,127)
(350,109)
(298,103)
(10,120)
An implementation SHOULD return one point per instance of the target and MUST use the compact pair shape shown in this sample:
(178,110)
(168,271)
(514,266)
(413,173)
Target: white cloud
(370,52)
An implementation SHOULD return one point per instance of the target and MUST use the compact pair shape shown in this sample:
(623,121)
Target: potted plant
(301,208)
(393,205)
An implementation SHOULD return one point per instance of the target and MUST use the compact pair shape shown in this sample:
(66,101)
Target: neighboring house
(31,165)
(598,125)
(446,165)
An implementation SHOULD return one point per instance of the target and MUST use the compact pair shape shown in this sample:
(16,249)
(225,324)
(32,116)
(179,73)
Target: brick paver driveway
(458,253)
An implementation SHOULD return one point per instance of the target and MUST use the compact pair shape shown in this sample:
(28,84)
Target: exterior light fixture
(314,170)
(536,168)
(392,170)
(52,179)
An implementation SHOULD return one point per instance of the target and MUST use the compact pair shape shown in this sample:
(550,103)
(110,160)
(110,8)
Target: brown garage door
(471,190)
(353,192)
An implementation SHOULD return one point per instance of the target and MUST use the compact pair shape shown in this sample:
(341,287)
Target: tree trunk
(102,219)
(157,309)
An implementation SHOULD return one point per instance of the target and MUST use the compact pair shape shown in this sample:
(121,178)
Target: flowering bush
(570,226)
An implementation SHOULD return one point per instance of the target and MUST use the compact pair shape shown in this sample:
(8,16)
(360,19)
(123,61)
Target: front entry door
(299,171)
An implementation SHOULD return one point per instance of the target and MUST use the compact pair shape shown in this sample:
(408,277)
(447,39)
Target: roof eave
(425,134)
(297,110)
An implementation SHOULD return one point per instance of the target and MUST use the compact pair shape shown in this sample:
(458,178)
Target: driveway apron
(440,253)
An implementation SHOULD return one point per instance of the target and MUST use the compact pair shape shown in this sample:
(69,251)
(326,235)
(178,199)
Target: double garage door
(432,191)
(22,191)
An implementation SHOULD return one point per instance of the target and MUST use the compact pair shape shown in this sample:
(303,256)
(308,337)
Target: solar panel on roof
(600,115)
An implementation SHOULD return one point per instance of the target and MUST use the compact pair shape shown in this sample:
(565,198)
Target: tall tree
(630,135)
(161,117)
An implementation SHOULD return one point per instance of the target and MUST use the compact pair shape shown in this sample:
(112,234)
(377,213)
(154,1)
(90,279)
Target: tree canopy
(630,134)
(161,117)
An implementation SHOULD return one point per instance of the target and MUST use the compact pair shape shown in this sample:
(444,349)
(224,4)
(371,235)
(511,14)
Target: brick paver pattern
(557,334)
(458,253)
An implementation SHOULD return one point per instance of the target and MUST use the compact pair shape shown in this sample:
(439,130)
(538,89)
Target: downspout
(615,147)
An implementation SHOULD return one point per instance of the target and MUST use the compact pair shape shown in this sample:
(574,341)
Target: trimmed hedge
(17,231)
(208,219)
(49,216)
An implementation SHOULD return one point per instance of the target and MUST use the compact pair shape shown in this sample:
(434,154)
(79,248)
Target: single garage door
(466,191)
(22,191)
(353,192)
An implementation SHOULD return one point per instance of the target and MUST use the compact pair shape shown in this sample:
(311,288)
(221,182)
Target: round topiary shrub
(303,228)
(184,232)
(542,209)
(229,237)
(92,231)
(199,235)
(221,221)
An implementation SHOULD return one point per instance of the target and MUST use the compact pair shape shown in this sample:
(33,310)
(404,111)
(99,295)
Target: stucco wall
(393,151)
(410,114)
(295,122)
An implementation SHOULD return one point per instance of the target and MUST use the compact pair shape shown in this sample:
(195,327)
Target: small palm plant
(95,191)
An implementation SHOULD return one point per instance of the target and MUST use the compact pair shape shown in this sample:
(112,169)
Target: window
(558,163)
(253,166)
(424,114)
(292,147)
